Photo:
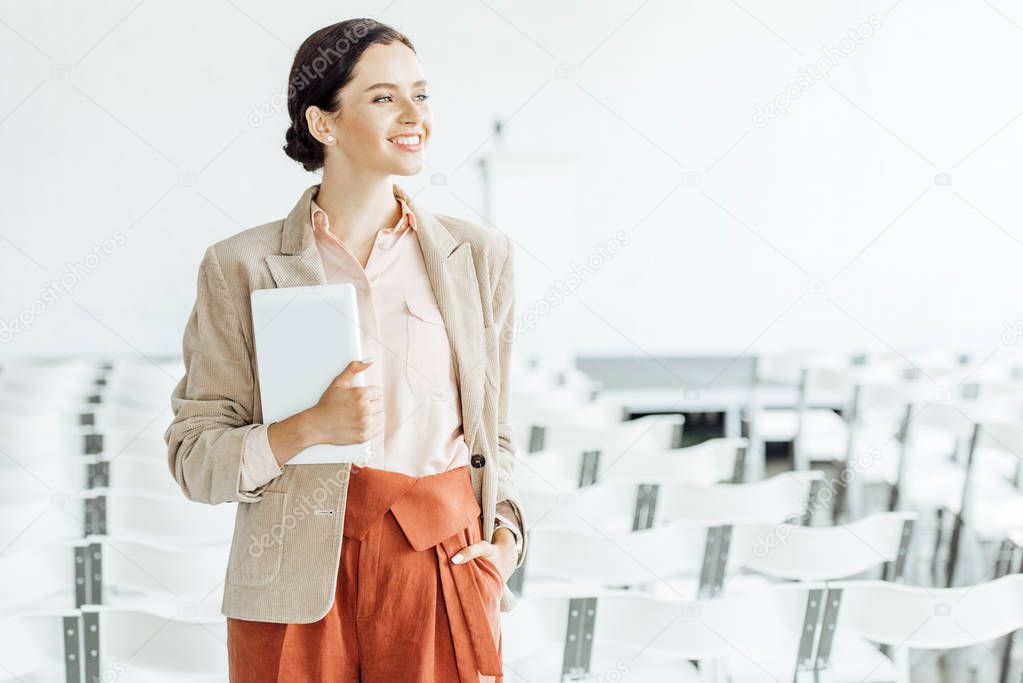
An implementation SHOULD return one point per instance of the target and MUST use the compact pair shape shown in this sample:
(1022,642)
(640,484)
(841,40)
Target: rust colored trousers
(402,612)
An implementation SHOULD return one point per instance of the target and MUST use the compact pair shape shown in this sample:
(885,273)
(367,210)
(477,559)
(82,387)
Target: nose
(411,115)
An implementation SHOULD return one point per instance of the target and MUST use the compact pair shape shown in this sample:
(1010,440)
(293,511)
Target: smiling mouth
(410,143)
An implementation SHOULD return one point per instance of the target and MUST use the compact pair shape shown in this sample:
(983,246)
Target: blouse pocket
(428,366)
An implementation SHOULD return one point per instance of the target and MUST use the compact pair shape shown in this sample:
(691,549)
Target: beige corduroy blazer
(286,548)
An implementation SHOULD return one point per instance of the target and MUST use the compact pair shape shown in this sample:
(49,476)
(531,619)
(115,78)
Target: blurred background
(768,388)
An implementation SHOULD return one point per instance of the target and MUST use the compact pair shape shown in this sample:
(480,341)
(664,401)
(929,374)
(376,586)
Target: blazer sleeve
(504,318)
(212,404)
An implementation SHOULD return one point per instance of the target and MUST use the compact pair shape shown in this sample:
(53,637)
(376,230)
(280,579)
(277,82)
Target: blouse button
(477,460)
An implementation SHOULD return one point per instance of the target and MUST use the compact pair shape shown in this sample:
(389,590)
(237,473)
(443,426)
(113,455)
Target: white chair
(907,618)
(641,638)
(804,553)
(43,575)
(554,469)
(151,636)
(816,433)
(785,496)
(40,646)
(105,417)
(708,462)
(998,450)
(45,442)
(754,555)
(936,455)
(188,573)
(871,464)
(142,474)
(991,504)
(533,378)
(875,422)
(530,413)
(610,437)
(167,519)
(561,558)
(146,444)
(42,479)
(945,469)
(32,522)
(620,507)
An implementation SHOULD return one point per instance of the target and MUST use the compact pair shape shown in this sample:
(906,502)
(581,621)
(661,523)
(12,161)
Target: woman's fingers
(471,551)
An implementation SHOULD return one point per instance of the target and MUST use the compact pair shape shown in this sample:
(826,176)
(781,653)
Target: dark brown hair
(323,65)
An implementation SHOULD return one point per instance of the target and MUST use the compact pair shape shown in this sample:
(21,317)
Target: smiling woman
(338,68)
(435,508)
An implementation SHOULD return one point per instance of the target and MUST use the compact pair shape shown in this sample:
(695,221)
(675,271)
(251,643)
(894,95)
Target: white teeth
(406,140)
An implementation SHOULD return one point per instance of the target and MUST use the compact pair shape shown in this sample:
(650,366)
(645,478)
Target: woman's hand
(501,552)
(347,414)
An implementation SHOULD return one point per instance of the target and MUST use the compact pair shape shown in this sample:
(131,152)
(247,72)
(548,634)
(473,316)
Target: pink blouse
(403,331)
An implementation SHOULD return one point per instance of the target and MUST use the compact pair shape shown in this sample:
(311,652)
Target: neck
(358,205)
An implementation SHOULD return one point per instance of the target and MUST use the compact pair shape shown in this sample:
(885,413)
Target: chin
(409,168)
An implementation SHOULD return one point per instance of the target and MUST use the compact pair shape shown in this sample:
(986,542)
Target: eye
(424,97)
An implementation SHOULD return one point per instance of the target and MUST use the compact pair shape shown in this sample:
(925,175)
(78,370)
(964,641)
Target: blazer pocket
(428,363)
(257,547)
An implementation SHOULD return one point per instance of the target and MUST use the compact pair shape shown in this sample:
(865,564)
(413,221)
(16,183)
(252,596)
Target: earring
(330,138)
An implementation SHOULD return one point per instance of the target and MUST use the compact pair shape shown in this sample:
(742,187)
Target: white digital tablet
(305,336)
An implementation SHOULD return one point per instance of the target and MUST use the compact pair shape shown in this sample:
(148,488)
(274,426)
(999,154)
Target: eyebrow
(391,85)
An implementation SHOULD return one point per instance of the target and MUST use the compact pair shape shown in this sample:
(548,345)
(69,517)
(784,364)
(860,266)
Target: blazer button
(477,460)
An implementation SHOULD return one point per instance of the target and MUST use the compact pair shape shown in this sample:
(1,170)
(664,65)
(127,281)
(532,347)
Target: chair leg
(893,497)
(953,549)
(938,533)
(838,505)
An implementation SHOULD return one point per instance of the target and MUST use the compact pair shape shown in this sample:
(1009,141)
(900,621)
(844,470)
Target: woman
(392,569)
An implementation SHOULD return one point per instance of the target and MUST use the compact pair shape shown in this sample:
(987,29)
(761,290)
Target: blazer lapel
(299,263)
(451,270)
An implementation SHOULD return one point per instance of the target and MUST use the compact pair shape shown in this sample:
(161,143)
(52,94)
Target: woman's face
(384,123)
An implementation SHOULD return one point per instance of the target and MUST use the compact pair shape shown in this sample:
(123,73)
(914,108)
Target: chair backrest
(43,479)
(36,574)
(549,470)
(565,468)
(150,444)
(626,558)
(999,448)
(38,646)
(613,437)
(592,630)
(26,524)
(166,519)
(784,496)
(153,640)
(141,474)
(925,618)
(613,506)
(787,367)
(940,415)
(142,566)
(709,462)
(801,553)
(876,401)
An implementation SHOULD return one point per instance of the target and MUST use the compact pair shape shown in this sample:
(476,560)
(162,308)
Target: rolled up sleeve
(212,404)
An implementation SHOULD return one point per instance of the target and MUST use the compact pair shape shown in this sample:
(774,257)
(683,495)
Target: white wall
(134,122)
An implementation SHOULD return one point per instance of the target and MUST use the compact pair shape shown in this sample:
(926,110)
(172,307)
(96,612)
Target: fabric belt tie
(468,588)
